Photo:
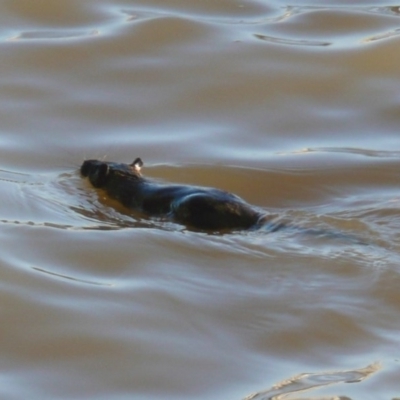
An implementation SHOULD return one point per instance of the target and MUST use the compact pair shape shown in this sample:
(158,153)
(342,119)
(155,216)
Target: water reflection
(71,278)
(305,382)
(47,35)
(292,42)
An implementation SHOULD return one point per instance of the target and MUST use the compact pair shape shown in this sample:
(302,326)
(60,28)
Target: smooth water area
(293,107)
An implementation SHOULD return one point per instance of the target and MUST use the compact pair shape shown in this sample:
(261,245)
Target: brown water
(295,108)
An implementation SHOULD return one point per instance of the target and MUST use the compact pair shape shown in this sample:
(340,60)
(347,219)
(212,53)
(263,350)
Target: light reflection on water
(293,108)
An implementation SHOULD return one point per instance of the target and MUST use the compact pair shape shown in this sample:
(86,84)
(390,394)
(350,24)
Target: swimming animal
(197,207)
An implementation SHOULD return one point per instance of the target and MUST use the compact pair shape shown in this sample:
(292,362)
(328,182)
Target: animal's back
(198,207)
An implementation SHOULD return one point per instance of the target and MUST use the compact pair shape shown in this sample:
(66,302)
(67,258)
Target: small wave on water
(70,278)
(352,151)
(290,25)
(310,381)
(49,35)
(341,27)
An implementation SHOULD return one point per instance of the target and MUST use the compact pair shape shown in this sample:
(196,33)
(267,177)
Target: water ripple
(308,381)
(71,278)
(347,150)
(53,35)
(295,42)
(382,36)
(324,26)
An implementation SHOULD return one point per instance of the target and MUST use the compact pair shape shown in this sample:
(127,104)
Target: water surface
(292,107)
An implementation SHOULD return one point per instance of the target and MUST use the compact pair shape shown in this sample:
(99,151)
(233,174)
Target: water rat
(198,207)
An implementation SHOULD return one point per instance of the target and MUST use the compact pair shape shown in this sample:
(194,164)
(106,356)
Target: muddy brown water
(295,108)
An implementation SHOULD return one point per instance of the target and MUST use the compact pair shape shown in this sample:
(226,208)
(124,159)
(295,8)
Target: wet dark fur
(197,207)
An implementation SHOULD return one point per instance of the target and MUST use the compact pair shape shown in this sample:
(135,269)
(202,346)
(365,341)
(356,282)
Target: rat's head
(101,172)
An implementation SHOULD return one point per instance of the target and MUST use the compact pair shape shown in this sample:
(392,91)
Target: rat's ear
(137,164)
